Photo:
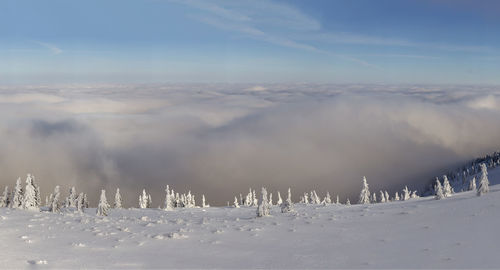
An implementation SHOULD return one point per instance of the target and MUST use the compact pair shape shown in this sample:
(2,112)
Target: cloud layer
(221,139)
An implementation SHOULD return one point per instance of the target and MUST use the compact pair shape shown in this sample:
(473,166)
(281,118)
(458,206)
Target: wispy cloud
(284,25)
(349,38)
(253,20)
(53,48)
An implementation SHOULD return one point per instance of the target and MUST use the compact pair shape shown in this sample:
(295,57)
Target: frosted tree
(38,196)
(447,189)
(438,189)
(143,199)
(483,186)
(382,197)
(348,202)
(396,196)
(254,196)
(271,199)
(327,199)
(193,202)
(169,204)
(406,194)
(287,205)
(387,198)
(103,206)
(54,204)
(204,205)
(80,206)
(263,204)
(29,199)
(235,203)
(280,201)
(472,184)
(17,196)
(414,194)
(364,196)
(118,199)
(71,199)
(4,202)
(337,201)
(85,201)
(374,197)
(149,202)
(249,198)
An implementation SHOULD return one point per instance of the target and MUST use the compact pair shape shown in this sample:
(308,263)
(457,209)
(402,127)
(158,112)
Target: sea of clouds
(221,139)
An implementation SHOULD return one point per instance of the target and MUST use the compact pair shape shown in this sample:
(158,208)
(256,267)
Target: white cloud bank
(223,138)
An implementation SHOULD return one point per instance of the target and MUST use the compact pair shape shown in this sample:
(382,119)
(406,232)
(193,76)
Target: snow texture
(455,232)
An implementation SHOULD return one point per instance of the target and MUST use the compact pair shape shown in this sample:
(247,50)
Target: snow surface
(456,232)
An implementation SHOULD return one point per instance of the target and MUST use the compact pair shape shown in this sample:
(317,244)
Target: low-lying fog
(221,139)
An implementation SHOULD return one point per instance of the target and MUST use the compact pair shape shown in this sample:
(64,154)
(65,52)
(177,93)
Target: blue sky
(326,41)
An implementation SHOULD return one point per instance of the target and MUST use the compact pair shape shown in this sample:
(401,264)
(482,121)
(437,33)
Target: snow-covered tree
(483,186)
(406,194)
(327,199)
(364,195)
(143,199)
(169,203)
(287,205)
(438,190)
(337,200)
(348,202)
(472,184)
(254,196)
(280,201)
(263,204)
(396,196)
(271,199)
(29,199)
(103,206)
(387,198)
(382,197)
(80,206)
(315,198)
(204,205)
(447,189)
(189,200)
(71,199)
(374,197)
(249,198)
(17,196)
(149,202)
(85,200)
(4,200)
(38,196)
(118,199)
(55,204)
(235,203)
(414,195)
(304,198)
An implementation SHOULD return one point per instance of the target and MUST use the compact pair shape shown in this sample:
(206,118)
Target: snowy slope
(458,232)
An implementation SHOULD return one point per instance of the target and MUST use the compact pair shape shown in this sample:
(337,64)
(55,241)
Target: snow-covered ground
(457,232)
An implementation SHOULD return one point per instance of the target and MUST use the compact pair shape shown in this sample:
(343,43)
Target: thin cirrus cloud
(299,31)
(250,19)
(51,47)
